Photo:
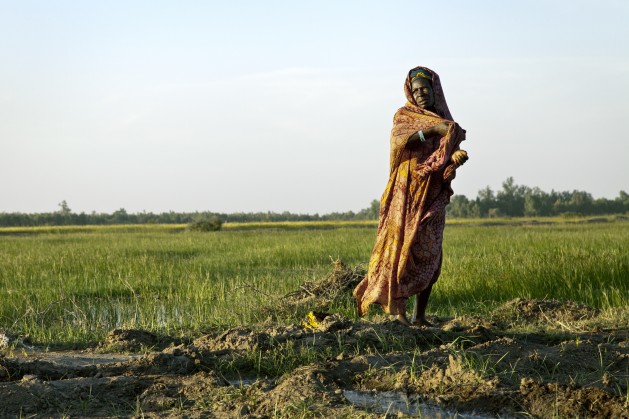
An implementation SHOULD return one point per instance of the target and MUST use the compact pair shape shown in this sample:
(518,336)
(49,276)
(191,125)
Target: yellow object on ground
(313,320)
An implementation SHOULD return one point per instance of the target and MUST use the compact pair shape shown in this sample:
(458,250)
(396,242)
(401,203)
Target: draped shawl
(406,258)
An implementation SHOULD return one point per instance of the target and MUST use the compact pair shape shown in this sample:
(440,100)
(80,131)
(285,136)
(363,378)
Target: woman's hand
(459,157)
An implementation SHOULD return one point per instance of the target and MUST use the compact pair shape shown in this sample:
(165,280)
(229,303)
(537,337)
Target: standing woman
(406,259)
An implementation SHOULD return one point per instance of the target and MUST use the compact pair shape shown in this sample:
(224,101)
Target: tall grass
(483,266)
(74,286)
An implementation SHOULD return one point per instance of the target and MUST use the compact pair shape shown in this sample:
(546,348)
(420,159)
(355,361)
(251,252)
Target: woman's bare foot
(422,322)
(402,319)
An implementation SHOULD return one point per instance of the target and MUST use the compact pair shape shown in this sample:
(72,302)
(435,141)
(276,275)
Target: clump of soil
(134,340)
(555,400)
(309,387)
(235,339)
(562,313)
(129,340)
(526,359)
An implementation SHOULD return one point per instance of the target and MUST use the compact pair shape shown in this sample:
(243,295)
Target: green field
(63,286)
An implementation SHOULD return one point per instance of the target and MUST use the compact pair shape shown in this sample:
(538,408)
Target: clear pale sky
(244,106)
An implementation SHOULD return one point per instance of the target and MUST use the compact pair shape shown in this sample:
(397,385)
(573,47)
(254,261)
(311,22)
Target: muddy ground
(530,358)
(527,358)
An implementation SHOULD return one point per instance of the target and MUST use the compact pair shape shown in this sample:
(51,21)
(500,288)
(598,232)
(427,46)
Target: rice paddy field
(531,320)
(71,285)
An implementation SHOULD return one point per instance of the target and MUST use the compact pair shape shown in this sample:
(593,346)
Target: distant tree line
(65,216)
(519,200)
(512,201)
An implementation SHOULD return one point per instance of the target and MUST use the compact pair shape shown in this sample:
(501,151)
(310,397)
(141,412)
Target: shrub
(211,224)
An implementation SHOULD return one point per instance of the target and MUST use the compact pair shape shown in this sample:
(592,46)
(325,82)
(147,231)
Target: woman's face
(423,93)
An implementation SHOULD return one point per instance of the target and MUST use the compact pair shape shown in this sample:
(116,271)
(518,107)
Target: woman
(406,259)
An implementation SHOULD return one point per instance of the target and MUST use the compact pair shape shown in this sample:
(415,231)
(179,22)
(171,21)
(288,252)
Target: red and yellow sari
(407,255)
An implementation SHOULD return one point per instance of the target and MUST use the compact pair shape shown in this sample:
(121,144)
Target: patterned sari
(406,258)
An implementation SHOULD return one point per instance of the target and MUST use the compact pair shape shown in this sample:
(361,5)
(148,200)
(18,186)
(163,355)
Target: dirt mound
(542,311)
(237,338)
(467,364)
(132,340)
(306,389)
(154,382)
(553,400)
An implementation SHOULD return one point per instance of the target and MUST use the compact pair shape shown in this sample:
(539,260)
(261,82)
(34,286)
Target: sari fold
(406,257)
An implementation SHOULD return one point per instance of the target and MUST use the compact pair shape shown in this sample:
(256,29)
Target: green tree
(485,200)
(623,200)
(461,207)
(511,199)
(120,216)
(64,209)
(537,203)
(581,202)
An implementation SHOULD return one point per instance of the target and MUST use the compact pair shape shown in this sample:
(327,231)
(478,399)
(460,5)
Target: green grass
(72,285)
(588,263)
(178,228)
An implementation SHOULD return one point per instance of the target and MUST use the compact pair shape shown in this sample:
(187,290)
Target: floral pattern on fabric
(407,255)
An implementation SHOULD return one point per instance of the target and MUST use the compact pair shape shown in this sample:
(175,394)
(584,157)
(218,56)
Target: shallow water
(76,359)
(391,402)
(240,382)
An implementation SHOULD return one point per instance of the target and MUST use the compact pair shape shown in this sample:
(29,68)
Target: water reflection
(390,402)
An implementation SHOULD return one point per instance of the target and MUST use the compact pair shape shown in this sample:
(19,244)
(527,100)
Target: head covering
(420,72)
(441,107)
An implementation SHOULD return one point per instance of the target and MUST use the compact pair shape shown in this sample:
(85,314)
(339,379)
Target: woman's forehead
(421,82)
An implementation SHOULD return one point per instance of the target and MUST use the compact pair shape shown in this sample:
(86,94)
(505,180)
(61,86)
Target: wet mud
(530,358)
